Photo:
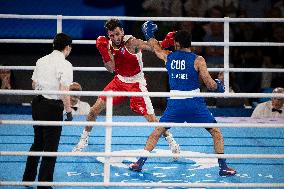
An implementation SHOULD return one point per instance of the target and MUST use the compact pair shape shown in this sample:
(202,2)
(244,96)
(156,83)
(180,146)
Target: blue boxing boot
(138,165)
(224,169)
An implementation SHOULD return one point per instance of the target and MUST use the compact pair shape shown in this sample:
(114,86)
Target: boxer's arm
(110,66)
(201,67)
(141,45)
(102,45)
(160,53)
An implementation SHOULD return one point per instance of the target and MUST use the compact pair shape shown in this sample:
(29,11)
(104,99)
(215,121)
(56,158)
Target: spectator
(274,12)
(255,8)
(202,6)
(273,108)
(214,12)
(214,33)
(196,30)
(5,77)
(78,107)
(280,4)
(247,57)
(215,55)
(163,7)
(273,57)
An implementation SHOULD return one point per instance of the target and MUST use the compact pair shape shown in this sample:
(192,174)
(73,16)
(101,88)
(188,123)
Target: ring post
(108,139)
(226,54)
(59,24)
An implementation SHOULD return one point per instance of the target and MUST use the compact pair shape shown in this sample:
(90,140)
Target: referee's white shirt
(51,71)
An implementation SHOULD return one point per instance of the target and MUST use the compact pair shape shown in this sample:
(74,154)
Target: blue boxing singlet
(184,77)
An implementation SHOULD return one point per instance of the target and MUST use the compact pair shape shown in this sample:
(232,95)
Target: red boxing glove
(102,46)
(169,40)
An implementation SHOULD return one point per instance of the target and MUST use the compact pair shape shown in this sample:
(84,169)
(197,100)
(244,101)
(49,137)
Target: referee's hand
(69,116)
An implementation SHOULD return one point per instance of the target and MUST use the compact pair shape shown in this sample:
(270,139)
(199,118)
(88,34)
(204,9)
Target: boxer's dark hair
(111,24)
(184,38)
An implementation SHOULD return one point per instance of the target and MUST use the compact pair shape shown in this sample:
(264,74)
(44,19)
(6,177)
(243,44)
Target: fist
(169,40)
(220,86)
(101,41)
(102,46)
(149,29)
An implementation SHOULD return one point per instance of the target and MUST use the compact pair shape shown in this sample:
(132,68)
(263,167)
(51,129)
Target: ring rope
(141,124)
(151,94)
(155,69)
(133,154)
(131,18)
(92,42)
(153,184)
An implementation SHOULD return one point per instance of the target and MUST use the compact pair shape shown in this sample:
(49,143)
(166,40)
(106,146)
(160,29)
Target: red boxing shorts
(138,104)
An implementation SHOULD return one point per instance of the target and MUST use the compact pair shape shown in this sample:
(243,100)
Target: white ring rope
(133,154)
(91,42)
(139,184)
(142,124)
(151,94)
(155,69)
(131,18)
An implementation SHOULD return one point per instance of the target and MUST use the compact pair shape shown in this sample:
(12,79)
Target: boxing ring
(254,147)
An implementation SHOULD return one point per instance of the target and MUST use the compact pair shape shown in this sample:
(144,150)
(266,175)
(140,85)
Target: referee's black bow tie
(276,110)
(75,108)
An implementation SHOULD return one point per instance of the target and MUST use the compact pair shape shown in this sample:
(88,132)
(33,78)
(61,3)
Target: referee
(52,72)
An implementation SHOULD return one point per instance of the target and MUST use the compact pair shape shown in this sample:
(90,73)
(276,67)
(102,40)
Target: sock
(222,163)
(85,133)
(169,138)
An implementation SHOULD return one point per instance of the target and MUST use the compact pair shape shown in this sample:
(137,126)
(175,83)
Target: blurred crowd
(240,57)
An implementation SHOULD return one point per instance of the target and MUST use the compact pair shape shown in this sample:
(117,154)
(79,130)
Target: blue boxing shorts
(190,110)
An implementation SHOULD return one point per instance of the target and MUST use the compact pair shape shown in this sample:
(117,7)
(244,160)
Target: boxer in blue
(184,69)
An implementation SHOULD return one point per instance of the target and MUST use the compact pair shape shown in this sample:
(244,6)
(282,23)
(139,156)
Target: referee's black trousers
(46,138)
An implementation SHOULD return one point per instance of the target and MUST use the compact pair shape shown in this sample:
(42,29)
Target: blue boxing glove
(220,86)
(149,29)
